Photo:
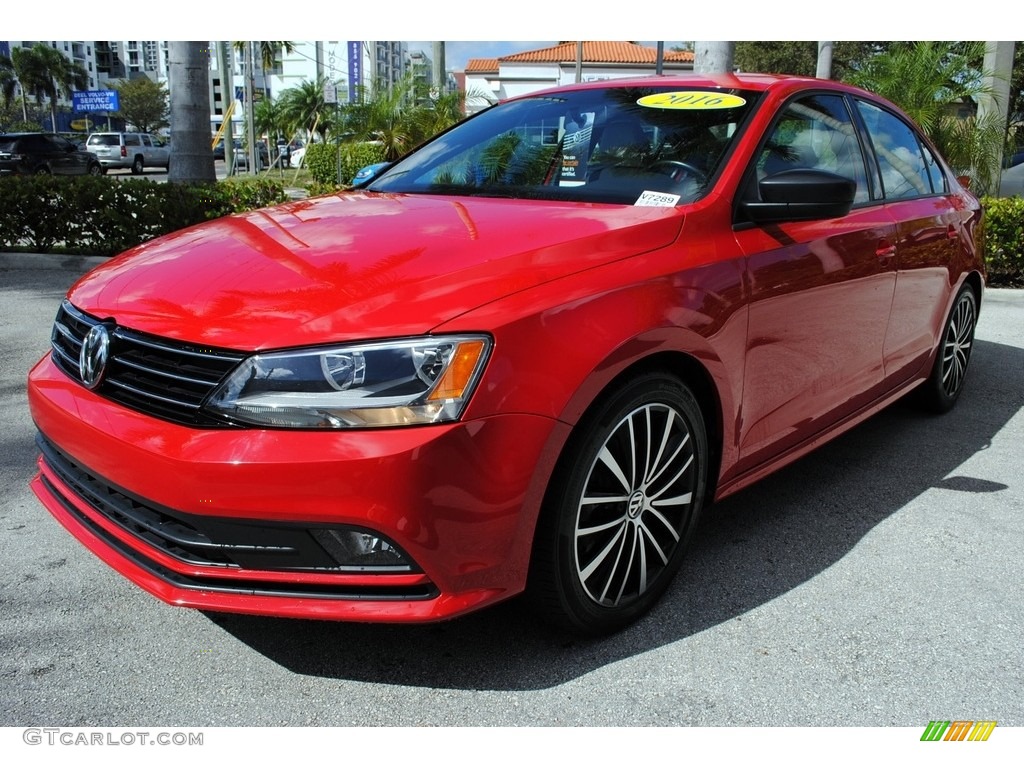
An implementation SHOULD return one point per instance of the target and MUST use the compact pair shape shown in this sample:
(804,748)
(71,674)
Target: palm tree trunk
(188,75)
(713,56)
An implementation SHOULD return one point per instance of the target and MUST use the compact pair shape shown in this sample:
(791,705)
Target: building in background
(82,52)
(128,59)
(379,64)
(421,72)
(387,64)
(488,80)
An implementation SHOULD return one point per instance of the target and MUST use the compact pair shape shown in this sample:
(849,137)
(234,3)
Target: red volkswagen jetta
(523,357)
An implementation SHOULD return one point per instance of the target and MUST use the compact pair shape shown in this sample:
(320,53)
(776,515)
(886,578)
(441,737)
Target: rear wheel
(943,387)
(95,169)
(621,507)
(137,166)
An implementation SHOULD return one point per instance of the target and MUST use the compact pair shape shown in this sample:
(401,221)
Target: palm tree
(48,73)
(304,107)
(26,66)
(270,119)
(440,113)
(269,50)
(191,155)
(8,80)
(390,122)
(930,81)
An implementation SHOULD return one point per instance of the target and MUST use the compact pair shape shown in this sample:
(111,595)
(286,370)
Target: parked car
(1013,159)
(524,358)
(367,172)
(242,155)
(136,151)
(296,157)
(26,153)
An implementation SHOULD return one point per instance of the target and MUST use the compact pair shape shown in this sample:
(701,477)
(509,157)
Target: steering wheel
(677,170)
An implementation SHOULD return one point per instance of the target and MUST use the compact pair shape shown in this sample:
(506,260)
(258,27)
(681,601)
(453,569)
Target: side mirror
(801,195)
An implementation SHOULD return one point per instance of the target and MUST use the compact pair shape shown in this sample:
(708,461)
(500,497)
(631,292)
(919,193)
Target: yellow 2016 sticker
(692,100)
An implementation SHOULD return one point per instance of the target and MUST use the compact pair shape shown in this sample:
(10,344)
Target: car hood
(357,266)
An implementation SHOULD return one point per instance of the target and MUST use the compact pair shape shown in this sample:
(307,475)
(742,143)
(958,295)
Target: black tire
(42,170)
(95,170)
(942,389)
(138,166)
(598,566)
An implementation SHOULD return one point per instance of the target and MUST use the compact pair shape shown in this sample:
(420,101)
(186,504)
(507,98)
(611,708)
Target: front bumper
(460,500)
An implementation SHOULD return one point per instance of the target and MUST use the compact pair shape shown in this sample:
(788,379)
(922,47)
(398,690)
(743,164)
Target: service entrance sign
(95,101)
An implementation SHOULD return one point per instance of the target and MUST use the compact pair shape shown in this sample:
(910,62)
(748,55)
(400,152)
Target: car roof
(751,81)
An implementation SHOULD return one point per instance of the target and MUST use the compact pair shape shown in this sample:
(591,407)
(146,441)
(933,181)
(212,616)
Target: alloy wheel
(956,348)
(636,504)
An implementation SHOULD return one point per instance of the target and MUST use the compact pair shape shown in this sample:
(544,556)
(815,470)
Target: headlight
(386,384)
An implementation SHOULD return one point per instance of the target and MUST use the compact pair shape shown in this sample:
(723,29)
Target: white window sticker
(658,199)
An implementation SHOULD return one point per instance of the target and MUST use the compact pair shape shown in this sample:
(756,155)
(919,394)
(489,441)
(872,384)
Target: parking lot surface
(874,583)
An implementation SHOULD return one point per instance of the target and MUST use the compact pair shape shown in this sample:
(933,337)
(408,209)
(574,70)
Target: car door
(65,159)
(160,151)
(929,224)
(820,291)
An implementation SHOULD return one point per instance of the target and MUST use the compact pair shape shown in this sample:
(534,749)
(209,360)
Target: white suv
(137,151)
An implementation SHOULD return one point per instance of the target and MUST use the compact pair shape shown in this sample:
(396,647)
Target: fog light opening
(357,548)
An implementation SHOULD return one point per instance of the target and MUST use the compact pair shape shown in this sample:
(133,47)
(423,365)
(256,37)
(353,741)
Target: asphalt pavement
(876,582)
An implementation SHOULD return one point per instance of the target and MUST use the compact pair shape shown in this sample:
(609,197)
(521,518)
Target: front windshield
(635,145)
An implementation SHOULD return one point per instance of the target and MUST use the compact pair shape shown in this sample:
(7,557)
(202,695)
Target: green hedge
(1004,240)
(322,162)
(104,216)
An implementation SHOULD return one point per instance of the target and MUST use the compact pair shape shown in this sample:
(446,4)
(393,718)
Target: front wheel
(943,387)
(622,505)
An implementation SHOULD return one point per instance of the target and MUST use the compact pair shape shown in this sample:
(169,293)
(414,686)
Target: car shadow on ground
(750,549)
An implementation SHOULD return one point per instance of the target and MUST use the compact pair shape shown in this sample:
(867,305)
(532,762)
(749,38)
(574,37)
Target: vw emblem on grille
(92,361)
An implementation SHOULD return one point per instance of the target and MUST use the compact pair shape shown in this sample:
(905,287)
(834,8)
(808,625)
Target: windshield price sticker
(692,100)
(657,199)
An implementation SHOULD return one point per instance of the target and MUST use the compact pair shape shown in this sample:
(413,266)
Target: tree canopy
(144,104)
(938,84)
(800,57)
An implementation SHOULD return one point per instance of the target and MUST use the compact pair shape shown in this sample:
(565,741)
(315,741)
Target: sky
(467,19)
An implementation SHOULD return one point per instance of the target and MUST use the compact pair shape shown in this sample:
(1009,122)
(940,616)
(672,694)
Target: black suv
(22,153)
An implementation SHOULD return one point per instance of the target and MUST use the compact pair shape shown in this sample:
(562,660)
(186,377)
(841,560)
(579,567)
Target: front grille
(161,377)
(223,543)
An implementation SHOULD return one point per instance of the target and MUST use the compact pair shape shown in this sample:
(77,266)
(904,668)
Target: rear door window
(908,168)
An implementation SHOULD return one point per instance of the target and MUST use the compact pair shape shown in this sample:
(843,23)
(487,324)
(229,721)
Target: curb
(65,261)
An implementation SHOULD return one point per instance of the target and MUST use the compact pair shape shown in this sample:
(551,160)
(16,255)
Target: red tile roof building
(489,80)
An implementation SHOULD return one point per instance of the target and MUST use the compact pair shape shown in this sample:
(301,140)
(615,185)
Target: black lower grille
(216,542)
(161,377)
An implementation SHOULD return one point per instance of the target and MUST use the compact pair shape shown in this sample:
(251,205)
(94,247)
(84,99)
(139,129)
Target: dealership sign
(95,101)
(355,68)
